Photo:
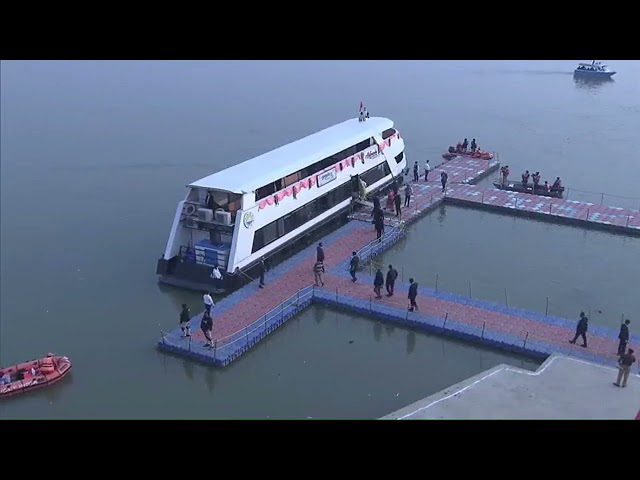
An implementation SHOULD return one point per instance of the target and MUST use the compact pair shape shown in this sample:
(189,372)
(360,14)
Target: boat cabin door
(355,186)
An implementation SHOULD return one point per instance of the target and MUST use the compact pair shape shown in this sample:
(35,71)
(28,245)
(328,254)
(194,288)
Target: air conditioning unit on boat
(223,217)
(189,209)
(205,215)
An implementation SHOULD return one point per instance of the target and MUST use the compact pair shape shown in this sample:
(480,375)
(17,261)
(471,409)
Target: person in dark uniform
(319,253)
(416,173)
(353,265)
(413,294)
(581,330)
(262,268)
(465,144)
(407,194)
(398,201)
(185,316)
(378,282)
(623,336)
(392,274)
(378,222)
(206,325)
(473,145)
(443,179)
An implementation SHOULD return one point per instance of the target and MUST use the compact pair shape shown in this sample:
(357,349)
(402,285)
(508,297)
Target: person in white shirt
(208,302)
(427,169)
(217,277)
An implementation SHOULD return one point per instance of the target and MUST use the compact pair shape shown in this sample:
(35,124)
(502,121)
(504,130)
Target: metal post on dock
(602,199)
(282,312)
(162,335)
(265,323)
(436,282)
(550,205)
(189,343)
(336,294)
(587,214)
(506,299)
(516,203)
(246,334)
(526,337)
(627,221)
(482,199)
(483,325)
(446,315)
(546,310)
(402,273)
(215,348)
(298,300)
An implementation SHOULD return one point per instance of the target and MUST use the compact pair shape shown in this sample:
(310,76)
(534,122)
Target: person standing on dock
(525,179)
(465,144)
(353,266)
(443,179)
(473,145)
(208,302)
(262,268)
(378,282)
(378,222)
(398,201)
(407,194)
(185,316)
(427,169)
(581,330)
(390,283)
(623,336)
(416,170)
(206,325)
(413,294)
(318,270)
(624,367)
(319,253)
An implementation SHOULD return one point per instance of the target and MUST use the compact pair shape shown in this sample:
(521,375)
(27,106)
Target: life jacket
(47,365)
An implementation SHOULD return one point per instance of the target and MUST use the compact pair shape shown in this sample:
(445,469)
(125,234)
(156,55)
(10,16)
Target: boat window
(376,174)
(389,132)
(301,216)
(273,187)
(399,157)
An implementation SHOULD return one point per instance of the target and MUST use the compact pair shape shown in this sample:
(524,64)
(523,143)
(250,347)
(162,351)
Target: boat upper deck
(254,173)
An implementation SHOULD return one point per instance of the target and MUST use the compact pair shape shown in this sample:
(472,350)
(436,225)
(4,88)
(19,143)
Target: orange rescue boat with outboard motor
(33,375)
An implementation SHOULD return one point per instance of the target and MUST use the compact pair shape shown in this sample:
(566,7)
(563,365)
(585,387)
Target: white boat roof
(254,173)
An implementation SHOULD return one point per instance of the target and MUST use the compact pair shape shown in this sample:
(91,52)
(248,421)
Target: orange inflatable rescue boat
(32,375)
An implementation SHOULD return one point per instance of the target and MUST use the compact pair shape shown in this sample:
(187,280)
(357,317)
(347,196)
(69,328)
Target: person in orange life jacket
(398,201)
(378,282)
(392,274)
(407,194)
(505,175)
(623,336)
(536,180)
(47,365)
(625,362)
(556,185)
(208,302)
(353,266)
(413,294)
(525,179)
(206,325)
(581,330)
(185,316)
